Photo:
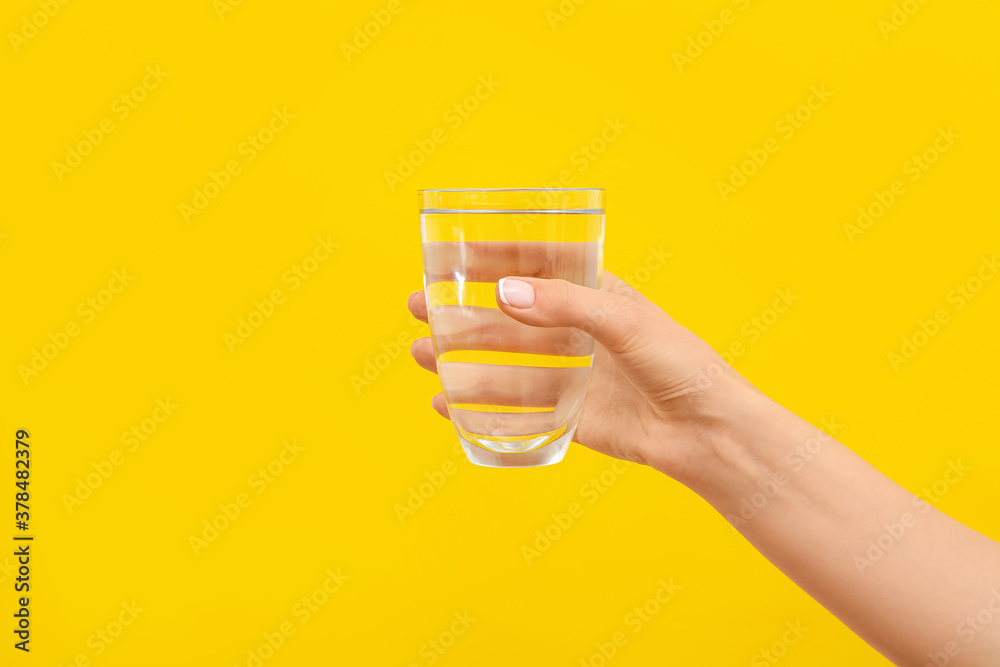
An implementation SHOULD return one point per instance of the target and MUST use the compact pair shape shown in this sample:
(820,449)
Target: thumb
(617,322)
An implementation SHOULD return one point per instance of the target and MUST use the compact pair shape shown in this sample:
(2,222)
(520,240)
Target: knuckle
(560,291)
(629,328)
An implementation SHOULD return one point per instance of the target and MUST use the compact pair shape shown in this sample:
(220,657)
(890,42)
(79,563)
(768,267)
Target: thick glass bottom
(545,455)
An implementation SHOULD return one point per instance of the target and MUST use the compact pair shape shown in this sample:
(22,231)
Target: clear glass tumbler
(514,392)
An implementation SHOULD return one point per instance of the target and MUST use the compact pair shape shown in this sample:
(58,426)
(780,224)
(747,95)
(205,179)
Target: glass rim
(512,200)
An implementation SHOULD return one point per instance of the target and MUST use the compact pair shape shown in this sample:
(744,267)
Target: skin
(917,585)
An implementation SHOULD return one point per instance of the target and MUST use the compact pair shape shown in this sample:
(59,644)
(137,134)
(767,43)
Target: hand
(658,394)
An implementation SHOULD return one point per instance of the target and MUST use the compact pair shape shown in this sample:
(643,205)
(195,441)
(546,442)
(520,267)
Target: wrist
(735,443)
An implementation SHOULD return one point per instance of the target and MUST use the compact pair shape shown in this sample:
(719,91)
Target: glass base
(545,455)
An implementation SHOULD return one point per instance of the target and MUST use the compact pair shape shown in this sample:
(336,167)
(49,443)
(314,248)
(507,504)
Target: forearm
(905,577)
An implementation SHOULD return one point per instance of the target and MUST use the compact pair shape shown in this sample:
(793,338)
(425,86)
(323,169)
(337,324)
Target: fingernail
(517,293)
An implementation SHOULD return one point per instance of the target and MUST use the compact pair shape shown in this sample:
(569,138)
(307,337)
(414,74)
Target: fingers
(488,261)
(513,386)
(462,328)
(417,304)
(503,424)
(439,404)
(422,351)
(618,322)
(630,327)
(472,328)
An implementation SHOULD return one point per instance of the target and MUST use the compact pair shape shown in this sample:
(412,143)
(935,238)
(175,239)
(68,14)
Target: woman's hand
(658,395)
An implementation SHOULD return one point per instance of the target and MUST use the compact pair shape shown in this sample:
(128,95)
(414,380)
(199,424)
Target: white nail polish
(502,297)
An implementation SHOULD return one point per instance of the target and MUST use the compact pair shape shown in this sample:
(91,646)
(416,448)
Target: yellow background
(323,175)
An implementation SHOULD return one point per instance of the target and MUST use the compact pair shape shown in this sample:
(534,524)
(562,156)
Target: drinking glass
(514,392)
